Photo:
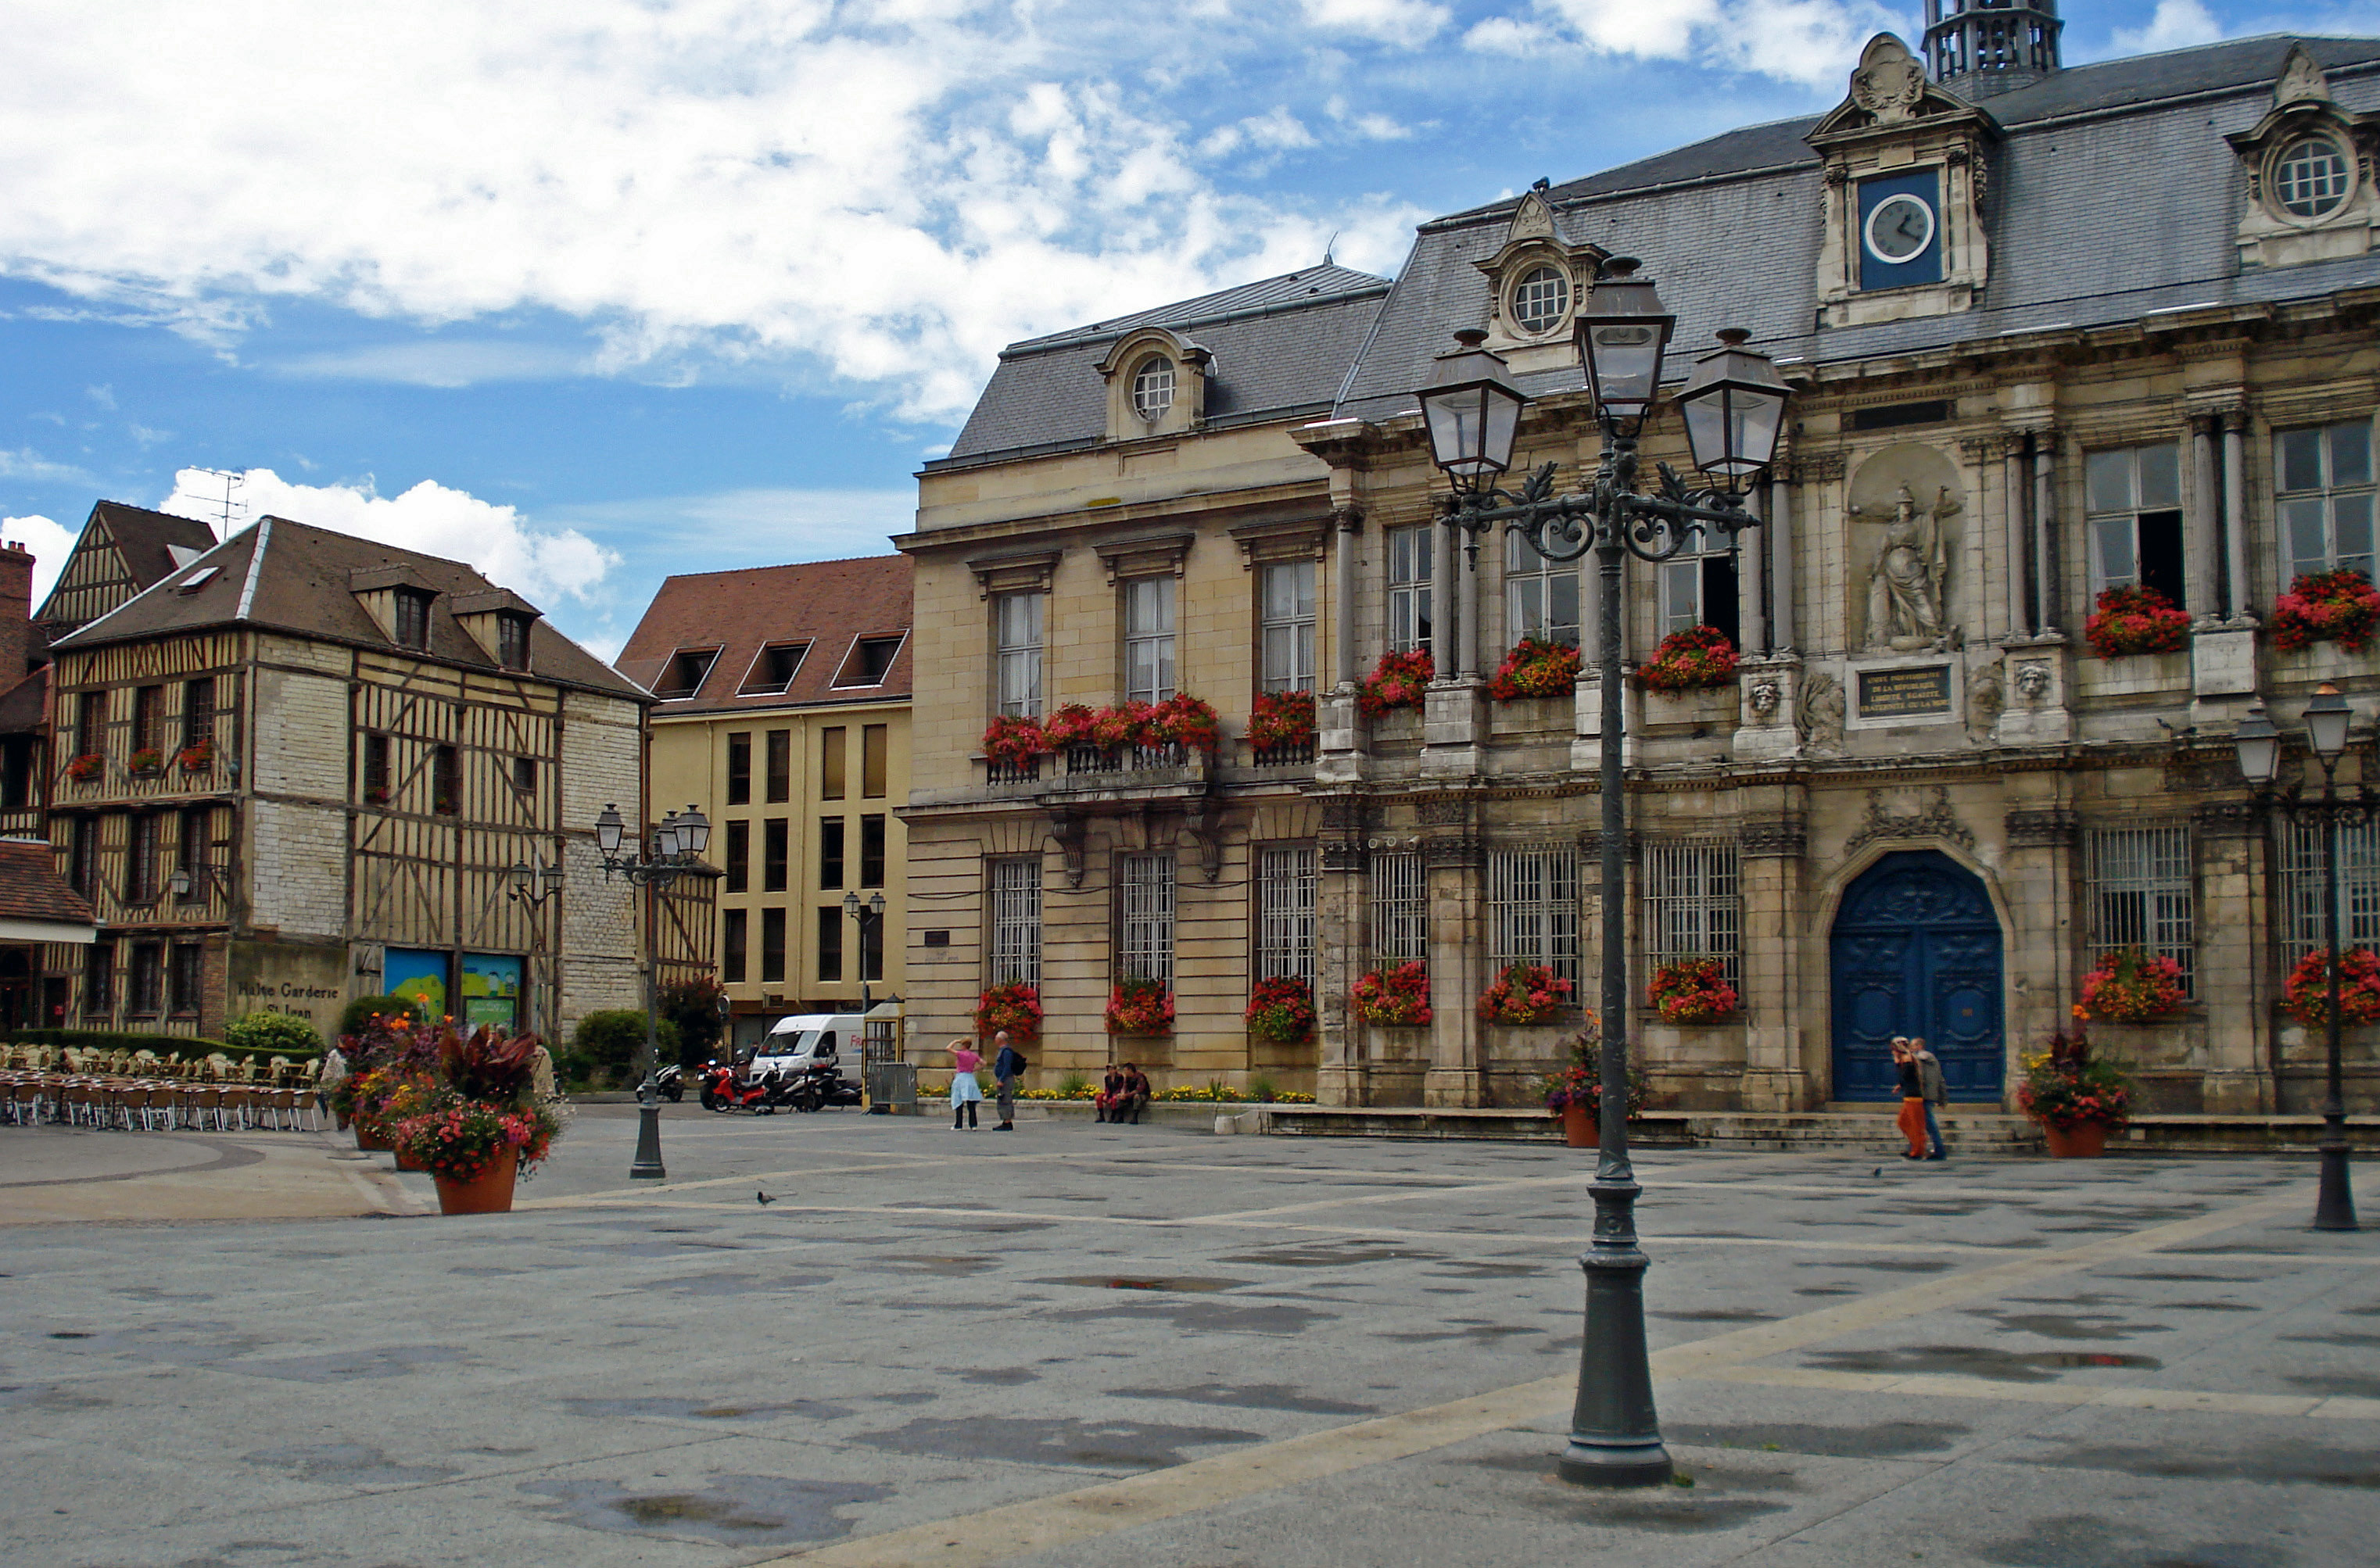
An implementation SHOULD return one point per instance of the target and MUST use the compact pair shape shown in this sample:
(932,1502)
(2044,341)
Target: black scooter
(821,1085)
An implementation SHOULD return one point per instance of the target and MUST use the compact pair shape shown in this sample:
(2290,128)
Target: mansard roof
(827,606)
(1281,346)
(289,576)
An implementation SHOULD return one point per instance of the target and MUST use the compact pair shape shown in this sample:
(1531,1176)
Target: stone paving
(1076,1345)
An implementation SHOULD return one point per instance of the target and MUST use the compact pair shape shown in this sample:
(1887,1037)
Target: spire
(1977,48)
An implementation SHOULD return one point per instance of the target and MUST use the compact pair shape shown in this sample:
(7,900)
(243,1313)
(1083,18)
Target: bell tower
(1977,48)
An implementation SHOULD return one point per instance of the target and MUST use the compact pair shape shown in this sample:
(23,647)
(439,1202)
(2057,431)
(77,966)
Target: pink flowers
(2306,998)
(1281,718)
(1399,680)
(1524,993)
(2129,986)
(1535,669)
(1692,991)
(1696,656)
(2136,620)
(2328,607)
(1394,998)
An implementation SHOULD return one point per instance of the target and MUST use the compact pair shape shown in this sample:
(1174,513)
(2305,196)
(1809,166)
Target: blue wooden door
(1917,951)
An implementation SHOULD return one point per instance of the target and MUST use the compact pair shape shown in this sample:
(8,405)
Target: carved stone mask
(1765,696)
(2033,680)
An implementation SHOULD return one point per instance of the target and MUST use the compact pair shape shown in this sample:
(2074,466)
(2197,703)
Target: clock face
(1900,228)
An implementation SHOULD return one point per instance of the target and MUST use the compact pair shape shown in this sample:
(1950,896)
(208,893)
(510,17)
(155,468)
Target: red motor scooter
(722,1091)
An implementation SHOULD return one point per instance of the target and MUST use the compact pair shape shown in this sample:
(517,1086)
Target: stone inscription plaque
(1890,693)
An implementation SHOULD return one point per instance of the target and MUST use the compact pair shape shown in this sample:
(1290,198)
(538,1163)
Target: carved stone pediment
(1932,821)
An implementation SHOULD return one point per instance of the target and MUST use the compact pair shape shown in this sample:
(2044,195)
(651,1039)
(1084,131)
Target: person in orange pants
(1912,1119)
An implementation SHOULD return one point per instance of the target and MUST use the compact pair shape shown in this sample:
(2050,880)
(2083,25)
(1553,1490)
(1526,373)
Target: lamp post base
(1594,1463)
(1615,1433)
(647,1164)
(2334,1207)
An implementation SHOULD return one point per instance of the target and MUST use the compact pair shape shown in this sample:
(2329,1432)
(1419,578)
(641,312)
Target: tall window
(2140,892)
(148,999)
(830,878)
(773,947)
(2135,518)
(774,851)
(90,723)
(1148,639)
(830,921)
(739,857)
(1699,590)
(1016,921)
(1399,908)
(1016,621)
(194,850)
(2300,917)
(82,856)
(1287,625)
(872,949)
(875,760)
(739,769)
(445,780)
(1411,558)
(198,711)
(189,960)
(1694,905)
(1286,912)
(148,719)
(2324,505)
(871,851)
(735,937)
(413,621)
(1540,597)
(832,752)
(99,978)
(140,858)
(376,775)
(1145,918)
(781,766)
(1533,908)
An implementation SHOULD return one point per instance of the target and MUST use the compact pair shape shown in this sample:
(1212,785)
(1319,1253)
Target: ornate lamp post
(677,850)
(870,916)
(531,887)
(1734,406)
(2326,718)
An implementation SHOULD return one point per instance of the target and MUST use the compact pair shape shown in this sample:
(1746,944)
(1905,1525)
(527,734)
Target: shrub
(358,1013)
(1074,1086)
(691,1006)
(273,1034)
(608,1041)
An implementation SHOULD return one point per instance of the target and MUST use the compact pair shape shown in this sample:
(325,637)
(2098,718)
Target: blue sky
(592,291)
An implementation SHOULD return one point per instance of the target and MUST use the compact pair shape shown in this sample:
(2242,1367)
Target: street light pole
(679,844)
(531,887)
(870,916)
(1734,405)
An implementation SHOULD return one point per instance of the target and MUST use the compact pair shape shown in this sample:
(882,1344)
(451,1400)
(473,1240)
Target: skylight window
(870,661)
(773,668)
(686,672)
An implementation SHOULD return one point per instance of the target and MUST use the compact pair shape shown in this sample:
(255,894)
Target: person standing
(1006,1069)
(966,1093)
(1912,1119)
(1930,1086)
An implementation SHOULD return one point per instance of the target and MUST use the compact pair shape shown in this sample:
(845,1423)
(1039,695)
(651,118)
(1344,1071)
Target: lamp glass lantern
(1734,405)
(2260,747)
(609,829)
(665,838)
(1471,408)
(851,905)
(551,876)
(1622,332)
(2326,718)
(694,830)
(522,877)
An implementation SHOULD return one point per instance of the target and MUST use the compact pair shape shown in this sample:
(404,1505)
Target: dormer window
(870,662)
(688,668)
(412,619)
(2312,178)
(1541,300)
(772,671)
(1152,387)
(511,641)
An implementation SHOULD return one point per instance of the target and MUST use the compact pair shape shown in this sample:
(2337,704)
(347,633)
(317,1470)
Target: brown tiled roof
(31,888)
(25,707)
(145,539)
(295,577)
(830,605)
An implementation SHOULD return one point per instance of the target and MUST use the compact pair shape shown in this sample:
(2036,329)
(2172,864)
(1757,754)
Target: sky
(588,292)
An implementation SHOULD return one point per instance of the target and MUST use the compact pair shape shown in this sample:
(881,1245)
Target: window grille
(2299,916)
(1152,387)
(1286,912)
(1017,630)
(1148,639)
(1399,908)
(2140,892)
(1540,597)
(1411,564)
(1145,916)
(1541,300)
(2312,178)
(1287,632)
(2324,479)
(1533,908)
(1016,922)
(1694,905)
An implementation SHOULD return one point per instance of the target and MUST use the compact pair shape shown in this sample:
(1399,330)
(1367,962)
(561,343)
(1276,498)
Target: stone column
(1342,938)
(1752,582)
(2045,530)
(2020,542)
(1454,864)
(1776,919)
(2235,515)
(1343,596)
(1443,658)
(1779,529)
(2203,547)
(2039,877)
(2234,932)
(1467,622)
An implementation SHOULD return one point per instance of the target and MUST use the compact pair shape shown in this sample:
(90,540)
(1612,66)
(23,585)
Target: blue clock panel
(1900,234)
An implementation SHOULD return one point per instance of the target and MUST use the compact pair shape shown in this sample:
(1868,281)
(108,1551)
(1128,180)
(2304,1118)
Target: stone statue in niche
(1986,699)
(1905,581)
(1820,713)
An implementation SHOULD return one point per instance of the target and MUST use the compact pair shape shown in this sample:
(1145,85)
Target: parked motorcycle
(821,1085)
(670,1083)
(722,1091)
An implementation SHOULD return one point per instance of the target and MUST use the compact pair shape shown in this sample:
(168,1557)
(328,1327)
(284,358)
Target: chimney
(15,610)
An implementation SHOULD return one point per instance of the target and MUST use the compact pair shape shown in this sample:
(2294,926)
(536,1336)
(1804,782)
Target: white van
(793,1042)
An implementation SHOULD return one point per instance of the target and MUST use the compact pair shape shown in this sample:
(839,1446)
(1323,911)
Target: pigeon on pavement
(766,1200)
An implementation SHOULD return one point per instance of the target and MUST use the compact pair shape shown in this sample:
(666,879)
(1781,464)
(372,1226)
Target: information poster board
(420,974)
(491,989)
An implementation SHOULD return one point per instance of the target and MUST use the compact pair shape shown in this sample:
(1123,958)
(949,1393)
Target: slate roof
(830,605)
(31,888)
(2114,195)
(292,576)
(1281,344)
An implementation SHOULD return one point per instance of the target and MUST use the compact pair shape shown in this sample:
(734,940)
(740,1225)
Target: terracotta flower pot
(490,1194)
(1578,1125)
(406,1161)
(2084,1140)
(372,1140)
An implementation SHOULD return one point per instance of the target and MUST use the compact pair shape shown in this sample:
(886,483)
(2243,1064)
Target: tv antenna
(223,510)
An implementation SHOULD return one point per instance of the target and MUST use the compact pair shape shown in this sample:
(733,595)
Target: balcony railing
(1025,772)
(1288,754)
(1124,759)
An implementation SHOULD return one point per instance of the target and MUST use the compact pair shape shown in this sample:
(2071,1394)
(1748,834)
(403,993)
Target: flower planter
(488,1194)
(2084,1140)
(1578,1125)
(406,1161)
(372,1139)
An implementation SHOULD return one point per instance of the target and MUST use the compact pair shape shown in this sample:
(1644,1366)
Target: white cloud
(1409,23)
(540,564)
(2177,24)
(1813,42)
(104,396)
(49,542)
(26,464)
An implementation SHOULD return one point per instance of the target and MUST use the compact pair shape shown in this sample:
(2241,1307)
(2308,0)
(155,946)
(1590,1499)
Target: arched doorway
(1916,950)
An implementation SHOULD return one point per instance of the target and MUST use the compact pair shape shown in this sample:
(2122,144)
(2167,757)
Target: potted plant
(1399,680)
(86,767)
(1281,718)
(1575,1093)
(1014,1006)
(145,763)
(1394,998)
(2129,985)
(2136,620)
(486,1128)
(1688,661)
(1524,993)
(2339,607)
(1692,991)
(2075,1097)
(1281,1011)
(1013,741)
(1140,1006)
(197,757)
(2306,998)
(1535,669)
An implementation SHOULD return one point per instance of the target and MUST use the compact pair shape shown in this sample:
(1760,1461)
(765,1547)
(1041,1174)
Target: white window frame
(1399,908)
(1150,670)
(1016,895)
(1693,896)
(1285,610)
(1533,908)
(1019,625)
(1145,918)
(1153,387)
(2325,506)
(1412,557)
(1534,591)
(2114,499)
(1285,883)
(2297,920)
(1555,281)
(2143,891)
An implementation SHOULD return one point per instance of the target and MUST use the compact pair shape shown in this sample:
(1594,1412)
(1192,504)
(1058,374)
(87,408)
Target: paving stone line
(2329,1407)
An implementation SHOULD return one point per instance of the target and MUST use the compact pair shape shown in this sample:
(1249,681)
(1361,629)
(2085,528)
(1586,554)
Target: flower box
(146,763)
(2339,607)
(1399,680)
(2131,620)
(2306,998)
(1281,1009)
(197,757)
(2130,985)
(1689,660)
(1014,1006)
(1140,1006)
(1394,998)
(1525,994)
(86,767)
(1535,669)
(1692,991)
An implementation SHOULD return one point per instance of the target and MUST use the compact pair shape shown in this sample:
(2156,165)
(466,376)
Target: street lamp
(678,849)
(870,916)
(1735,408)
(2326,718)
(532,887)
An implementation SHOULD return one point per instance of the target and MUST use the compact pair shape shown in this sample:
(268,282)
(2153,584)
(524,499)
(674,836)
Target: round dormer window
(1152,387)
(1540,299)
(2312,178)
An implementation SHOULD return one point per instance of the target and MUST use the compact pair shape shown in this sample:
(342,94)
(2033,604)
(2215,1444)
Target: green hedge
(190,1046)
